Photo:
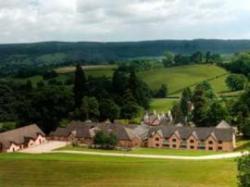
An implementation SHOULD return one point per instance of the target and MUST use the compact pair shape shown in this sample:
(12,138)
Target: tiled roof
(20,135)
(202,133)
(60,132)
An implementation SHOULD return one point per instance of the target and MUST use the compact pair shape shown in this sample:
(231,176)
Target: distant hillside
(51,53)
(124,49)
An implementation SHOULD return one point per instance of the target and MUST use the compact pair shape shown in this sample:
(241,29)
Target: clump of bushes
(105,140)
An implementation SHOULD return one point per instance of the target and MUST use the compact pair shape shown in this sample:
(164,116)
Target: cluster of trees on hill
(171,59)
(236,82)
(240,64)
(203,108)
(124,96)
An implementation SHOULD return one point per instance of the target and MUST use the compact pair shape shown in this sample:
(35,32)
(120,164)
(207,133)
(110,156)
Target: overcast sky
(122,20)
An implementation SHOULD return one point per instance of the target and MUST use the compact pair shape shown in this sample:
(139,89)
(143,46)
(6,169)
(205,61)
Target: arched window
(210,142)
(174,140)
(191,141)
(157,139)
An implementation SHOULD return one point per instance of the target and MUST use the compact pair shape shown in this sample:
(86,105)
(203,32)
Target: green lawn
(243,145)
(219,84)
(153,151)
(162,105)
(181,77)
(19,170)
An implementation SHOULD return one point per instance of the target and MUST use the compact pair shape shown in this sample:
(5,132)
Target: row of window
(190,141)
(190,147)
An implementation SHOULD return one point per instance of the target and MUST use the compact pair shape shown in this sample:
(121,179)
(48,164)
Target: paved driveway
(46,147)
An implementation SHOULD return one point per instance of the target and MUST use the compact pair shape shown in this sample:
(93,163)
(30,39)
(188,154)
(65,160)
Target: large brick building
(85,132)
(219,138)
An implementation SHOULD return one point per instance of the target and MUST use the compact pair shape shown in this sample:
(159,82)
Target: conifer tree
(79,86)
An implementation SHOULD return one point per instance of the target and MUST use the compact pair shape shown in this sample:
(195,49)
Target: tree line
(170,59)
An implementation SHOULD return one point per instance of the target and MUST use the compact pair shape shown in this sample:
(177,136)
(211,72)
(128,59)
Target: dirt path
(208,157)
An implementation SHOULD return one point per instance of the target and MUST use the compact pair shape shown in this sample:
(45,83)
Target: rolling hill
(53,53)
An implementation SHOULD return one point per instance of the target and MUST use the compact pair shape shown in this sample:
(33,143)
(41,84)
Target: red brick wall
(155,141)
(192,143)
(174,142)
(211,144)
(135,142)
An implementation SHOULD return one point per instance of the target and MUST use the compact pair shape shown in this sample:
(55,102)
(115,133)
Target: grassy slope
(19,170)
(180,77)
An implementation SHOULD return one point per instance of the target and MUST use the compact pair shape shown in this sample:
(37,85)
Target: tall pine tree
(185,103)
(79,86)
(140,90)
(199,101)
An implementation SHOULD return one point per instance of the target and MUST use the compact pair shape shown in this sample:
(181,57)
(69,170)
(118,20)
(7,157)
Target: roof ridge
(19,128)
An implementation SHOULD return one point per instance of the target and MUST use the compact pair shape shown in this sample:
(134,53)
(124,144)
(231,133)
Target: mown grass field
(19,170)
(178,78)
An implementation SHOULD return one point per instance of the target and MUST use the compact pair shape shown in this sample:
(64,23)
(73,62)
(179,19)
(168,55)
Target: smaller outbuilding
(24,137)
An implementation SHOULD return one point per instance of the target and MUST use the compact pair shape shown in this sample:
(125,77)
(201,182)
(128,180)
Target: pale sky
(122,20)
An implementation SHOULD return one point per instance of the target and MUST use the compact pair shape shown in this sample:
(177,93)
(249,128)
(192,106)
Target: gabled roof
(223,125)
(83,132)
(20,135)
(200,133)
(168,131)
(184,132)
(60,132)
(203,132)
(142,131)
(224,134)
(81,129)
